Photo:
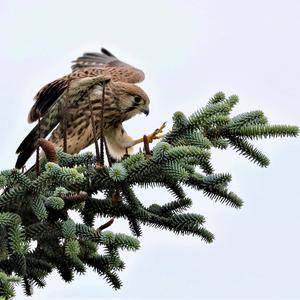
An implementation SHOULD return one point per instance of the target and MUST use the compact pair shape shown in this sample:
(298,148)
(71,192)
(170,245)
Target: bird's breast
(78,119)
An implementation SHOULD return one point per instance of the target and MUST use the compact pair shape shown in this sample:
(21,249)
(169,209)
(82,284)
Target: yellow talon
(155,134)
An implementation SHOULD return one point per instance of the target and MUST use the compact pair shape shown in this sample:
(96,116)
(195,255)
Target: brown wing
(48,94)
(46,97)
(88,65)
(111,65)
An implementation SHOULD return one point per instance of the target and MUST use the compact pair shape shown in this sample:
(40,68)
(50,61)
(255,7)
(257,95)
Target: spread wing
(55,114)
(88,65)
(45,98)
(52,91)
(105,60)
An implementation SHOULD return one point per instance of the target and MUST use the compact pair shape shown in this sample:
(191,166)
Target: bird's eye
(137,99)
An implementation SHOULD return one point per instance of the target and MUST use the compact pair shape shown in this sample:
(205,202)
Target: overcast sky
(189,50)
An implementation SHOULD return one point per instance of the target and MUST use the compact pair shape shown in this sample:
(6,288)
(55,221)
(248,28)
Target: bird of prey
(64,105)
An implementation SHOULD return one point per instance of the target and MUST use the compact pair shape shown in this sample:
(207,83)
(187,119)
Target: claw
(155,134)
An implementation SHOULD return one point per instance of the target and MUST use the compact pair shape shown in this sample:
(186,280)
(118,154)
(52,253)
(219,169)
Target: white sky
(189,50)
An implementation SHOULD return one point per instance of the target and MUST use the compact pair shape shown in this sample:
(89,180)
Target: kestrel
(68,98)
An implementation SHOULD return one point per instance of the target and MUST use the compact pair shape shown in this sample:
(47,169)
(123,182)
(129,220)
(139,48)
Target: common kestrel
(68,99)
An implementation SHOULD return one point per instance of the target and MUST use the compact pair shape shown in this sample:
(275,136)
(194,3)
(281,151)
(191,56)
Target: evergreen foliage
(36,208)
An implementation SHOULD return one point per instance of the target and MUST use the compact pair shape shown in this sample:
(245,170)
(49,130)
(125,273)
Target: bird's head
(132,99)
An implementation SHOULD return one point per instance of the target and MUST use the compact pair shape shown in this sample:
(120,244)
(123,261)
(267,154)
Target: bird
(62,107)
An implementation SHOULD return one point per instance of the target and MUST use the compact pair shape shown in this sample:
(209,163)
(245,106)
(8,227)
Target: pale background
(189,50)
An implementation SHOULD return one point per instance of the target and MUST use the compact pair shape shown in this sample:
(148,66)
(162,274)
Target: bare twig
(146,146)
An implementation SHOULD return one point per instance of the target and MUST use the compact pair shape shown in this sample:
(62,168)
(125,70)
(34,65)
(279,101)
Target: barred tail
(29,144)
(27,147)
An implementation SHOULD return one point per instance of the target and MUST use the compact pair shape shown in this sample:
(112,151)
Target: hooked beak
(146,111)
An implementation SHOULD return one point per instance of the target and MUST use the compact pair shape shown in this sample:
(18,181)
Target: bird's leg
(155,135)
(23,169)
(65,125)
(102,141)
(109,158)
(94,133)
(37,162)
(126,155)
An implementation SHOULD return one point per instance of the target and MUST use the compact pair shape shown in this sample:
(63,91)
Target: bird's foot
(155,135)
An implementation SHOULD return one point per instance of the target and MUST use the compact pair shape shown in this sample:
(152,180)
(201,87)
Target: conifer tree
(37,208)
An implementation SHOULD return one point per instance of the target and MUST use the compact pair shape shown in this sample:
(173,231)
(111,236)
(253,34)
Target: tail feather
(27,147)
(29,140)
(23,157)
(29,144)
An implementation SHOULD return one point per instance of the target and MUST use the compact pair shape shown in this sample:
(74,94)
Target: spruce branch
(38,208)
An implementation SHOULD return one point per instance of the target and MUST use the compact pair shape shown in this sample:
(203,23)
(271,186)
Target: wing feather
(90,64)
(46,97)
(111,64)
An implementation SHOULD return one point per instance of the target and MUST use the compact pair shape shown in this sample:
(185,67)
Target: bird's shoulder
(117,73)
(51,92)
(45,97)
